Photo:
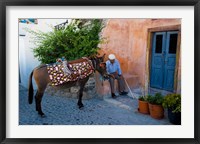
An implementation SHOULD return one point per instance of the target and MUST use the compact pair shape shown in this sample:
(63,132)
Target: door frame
(149,54)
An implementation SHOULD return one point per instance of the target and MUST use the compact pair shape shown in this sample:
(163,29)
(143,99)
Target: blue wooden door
(157,60)
(163,62)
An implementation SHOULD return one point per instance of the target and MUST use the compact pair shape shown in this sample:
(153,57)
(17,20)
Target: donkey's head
(99,65)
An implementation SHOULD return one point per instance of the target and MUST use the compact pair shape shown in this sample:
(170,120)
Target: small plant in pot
(155,106)
(173,103)
(143,106)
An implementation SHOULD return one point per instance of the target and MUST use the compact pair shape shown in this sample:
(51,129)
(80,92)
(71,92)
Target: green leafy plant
(144,98)
(75,41)
(172,101)
(157,99)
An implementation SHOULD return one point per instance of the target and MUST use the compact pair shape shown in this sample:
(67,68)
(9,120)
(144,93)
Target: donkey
(42,79)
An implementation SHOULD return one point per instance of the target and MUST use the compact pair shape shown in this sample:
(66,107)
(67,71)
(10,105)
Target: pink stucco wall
(127,39)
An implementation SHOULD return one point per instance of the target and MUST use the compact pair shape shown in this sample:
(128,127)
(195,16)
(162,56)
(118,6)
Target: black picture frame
(5,3)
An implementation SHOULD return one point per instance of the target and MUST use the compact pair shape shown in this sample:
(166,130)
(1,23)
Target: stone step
(132,81)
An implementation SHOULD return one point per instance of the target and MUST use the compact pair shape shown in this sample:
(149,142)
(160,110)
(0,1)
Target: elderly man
(113,68)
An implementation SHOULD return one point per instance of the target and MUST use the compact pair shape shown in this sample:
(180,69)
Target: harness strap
(90,62)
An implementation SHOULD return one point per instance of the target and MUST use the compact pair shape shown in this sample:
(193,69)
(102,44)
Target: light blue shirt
(111,68)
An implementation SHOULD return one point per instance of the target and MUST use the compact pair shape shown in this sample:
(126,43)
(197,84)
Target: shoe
(113,95)
(123,93)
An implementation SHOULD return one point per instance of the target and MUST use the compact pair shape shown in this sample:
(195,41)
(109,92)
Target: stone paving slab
(60,110)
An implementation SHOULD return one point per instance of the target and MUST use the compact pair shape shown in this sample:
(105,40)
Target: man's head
(111,58)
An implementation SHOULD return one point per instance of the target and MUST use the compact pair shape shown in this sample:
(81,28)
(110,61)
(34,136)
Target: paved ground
(60,110)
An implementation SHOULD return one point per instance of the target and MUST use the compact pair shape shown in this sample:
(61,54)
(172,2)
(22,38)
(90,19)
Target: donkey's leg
(82,85)
(38,100)
(80,104)
(36,105)
(42,79)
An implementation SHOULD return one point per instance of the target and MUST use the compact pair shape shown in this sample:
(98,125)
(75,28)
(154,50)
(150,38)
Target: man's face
(112,61)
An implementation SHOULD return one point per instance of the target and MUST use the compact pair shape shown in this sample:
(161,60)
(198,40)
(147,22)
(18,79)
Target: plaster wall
(128,39)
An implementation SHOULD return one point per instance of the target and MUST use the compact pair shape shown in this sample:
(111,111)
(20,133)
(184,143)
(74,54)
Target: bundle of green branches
(76,40)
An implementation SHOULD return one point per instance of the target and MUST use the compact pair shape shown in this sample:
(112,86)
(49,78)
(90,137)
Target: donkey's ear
(103,56)
(92,57)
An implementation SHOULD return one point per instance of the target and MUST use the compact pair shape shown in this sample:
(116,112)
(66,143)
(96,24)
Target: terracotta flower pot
(143,107)
(156,111)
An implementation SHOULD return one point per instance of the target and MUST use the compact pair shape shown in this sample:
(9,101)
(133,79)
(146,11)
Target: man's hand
(111,75)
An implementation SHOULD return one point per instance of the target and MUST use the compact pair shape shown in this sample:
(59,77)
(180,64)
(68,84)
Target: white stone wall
(27,62)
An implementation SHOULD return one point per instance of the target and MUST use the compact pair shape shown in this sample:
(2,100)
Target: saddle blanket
(78,71)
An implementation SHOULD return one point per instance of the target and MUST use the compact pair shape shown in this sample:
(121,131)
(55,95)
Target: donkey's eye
(102,64)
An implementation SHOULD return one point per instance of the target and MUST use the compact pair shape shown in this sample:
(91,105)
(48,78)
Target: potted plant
(143,106)
(155,106)
(173,103)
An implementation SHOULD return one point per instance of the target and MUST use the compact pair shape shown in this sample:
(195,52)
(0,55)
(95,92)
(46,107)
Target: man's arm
(119,69)
(107,69)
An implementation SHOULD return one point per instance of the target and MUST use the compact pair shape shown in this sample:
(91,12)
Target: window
(173,43)
(159,43)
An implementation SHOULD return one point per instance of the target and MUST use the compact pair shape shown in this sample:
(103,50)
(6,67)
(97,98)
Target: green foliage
(172,101)
(144,98)
(157,99)
(73,42)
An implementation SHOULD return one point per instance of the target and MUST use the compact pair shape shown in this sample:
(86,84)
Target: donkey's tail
(30,89)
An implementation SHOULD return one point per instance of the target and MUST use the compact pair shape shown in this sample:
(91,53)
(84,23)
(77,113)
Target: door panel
(157,60)
(169,80)
(170,60)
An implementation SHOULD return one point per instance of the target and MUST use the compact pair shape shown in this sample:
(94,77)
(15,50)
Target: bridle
(94,64)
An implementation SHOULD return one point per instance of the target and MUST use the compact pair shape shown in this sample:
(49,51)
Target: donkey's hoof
(42,115)
(80,106)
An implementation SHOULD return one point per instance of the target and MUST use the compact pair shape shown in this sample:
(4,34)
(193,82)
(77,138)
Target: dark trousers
(120,80)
